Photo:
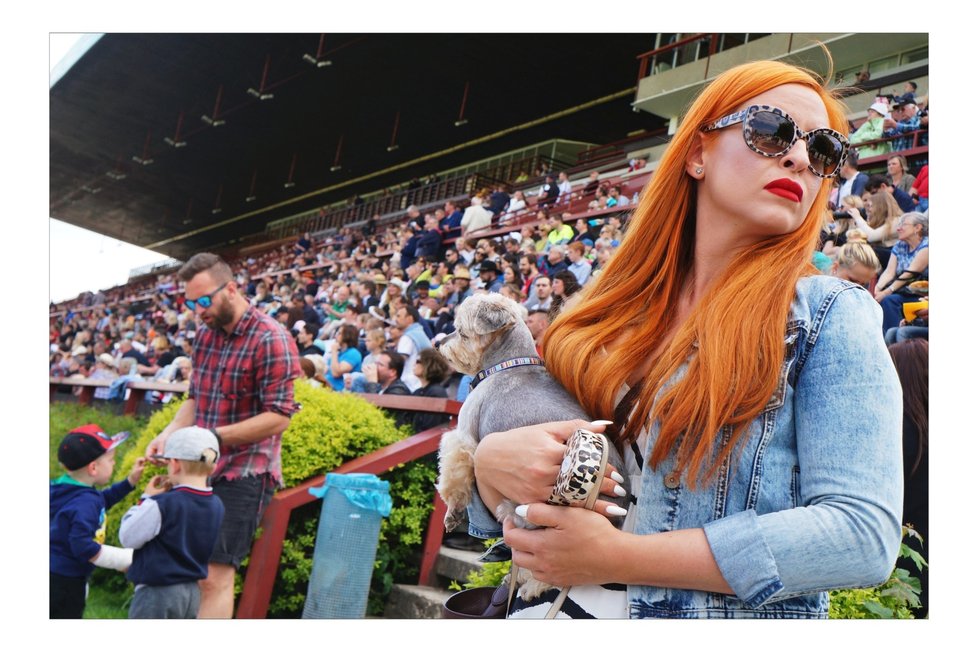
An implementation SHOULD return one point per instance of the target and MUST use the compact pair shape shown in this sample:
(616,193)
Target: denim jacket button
(671,480)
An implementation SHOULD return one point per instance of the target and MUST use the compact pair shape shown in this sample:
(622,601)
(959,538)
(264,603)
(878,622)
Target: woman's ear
(694,158)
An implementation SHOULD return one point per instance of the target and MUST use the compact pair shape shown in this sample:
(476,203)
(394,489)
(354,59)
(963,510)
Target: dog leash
(592,497)
(505,364)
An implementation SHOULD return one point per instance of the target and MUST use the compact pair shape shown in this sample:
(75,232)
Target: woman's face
(906,229)
(508,275)
(738,195)
(893,167)
(558,287)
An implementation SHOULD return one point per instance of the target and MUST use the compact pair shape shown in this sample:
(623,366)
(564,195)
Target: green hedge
(330,429)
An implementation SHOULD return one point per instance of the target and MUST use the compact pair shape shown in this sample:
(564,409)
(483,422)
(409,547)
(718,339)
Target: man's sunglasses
(205,301)
(771,132)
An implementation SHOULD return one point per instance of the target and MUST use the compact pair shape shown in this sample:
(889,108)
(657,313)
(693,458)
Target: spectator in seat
(429,244)
(857,263)
(432,369)
(565,285)
(475,217)
(548,191)
(579,265)
(906,118)
(871,129)
(836,236)
(498,200)
(898,173)
(563,184)
(614,194)
(516,203)
(538,321)
(920,190)
(344,356)
(908,262)
(559,233)
(489,274)
(104,370)
(854,181)
(555,261)
(880,227)
(878,183)
(592,183)
(412,342)
(543,298)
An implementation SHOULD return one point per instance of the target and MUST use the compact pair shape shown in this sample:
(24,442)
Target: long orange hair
(737,330)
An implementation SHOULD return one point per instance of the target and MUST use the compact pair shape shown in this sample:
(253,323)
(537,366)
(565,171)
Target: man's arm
(254,429)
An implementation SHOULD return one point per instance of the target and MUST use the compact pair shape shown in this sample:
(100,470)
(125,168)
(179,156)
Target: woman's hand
(522,464)
(856,216)
(554,553)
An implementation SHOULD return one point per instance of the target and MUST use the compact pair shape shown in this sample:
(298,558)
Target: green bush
(894,598)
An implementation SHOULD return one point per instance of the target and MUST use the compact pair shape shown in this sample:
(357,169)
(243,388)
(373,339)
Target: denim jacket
(812,501)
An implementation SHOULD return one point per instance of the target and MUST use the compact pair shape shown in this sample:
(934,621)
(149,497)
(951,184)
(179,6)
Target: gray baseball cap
(194,444)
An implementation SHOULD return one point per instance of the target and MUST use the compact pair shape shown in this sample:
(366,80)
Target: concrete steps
(412,601)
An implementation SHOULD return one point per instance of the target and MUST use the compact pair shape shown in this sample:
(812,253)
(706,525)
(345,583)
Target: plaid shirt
(242,375)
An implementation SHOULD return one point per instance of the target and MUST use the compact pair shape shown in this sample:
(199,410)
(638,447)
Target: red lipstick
(786,188)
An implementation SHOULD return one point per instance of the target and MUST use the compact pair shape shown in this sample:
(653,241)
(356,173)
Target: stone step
(455,564)
(412,601)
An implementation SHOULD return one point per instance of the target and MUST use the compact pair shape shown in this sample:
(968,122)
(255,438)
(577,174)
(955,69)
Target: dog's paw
(533,588)
(454,518)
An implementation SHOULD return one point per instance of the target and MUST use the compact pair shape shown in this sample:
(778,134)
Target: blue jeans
(892,306)
(904,333)
(922,204)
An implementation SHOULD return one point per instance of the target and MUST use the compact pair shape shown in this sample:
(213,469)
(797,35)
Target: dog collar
(505,364)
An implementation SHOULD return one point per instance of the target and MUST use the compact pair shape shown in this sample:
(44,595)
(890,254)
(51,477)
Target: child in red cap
(77,531)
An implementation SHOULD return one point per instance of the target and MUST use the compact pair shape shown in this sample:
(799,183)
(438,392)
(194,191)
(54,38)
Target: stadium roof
(134,98)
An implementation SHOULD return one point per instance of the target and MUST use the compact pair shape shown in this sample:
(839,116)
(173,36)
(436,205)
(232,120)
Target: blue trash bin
(346,544)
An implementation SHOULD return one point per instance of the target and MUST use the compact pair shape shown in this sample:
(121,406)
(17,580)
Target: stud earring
(699,170)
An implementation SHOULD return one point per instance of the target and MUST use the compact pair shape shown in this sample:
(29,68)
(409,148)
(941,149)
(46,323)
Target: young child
(77,531)
(174,528)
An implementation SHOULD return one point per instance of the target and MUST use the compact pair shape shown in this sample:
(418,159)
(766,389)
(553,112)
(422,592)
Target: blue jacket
(77,529)
(813,500)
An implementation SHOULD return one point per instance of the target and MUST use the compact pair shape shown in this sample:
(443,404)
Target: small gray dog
(490,331)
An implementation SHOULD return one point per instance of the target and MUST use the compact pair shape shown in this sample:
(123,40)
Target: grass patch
(104,602)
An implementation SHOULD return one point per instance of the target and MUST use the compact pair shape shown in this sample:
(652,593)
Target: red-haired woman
(716,349)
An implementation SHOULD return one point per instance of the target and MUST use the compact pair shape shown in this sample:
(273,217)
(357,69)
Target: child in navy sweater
(77,532)
(174,529)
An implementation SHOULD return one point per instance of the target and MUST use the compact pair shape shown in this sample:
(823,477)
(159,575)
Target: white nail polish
(602,422)
(521,510)
(620,491)
(615,510)
(617,477)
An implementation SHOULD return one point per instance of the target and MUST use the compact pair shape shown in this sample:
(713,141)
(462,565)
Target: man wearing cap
(77,512)
(489,274)
(905,120)
(242,388)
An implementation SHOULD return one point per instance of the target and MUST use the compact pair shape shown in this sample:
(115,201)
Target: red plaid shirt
(242,375)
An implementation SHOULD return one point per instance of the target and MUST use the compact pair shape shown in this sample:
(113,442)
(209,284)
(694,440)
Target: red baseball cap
(86,444)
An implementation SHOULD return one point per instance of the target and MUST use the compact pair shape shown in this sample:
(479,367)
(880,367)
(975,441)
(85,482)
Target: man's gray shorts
(174,601)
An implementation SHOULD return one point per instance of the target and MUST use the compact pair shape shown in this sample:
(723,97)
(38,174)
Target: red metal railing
(267,549)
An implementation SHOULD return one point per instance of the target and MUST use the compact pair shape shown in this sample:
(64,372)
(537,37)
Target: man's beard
(224,314)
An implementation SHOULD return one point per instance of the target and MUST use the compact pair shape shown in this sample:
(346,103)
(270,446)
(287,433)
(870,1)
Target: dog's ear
(493,314)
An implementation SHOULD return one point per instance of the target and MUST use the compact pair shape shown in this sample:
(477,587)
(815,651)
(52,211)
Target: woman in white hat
(872,129)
